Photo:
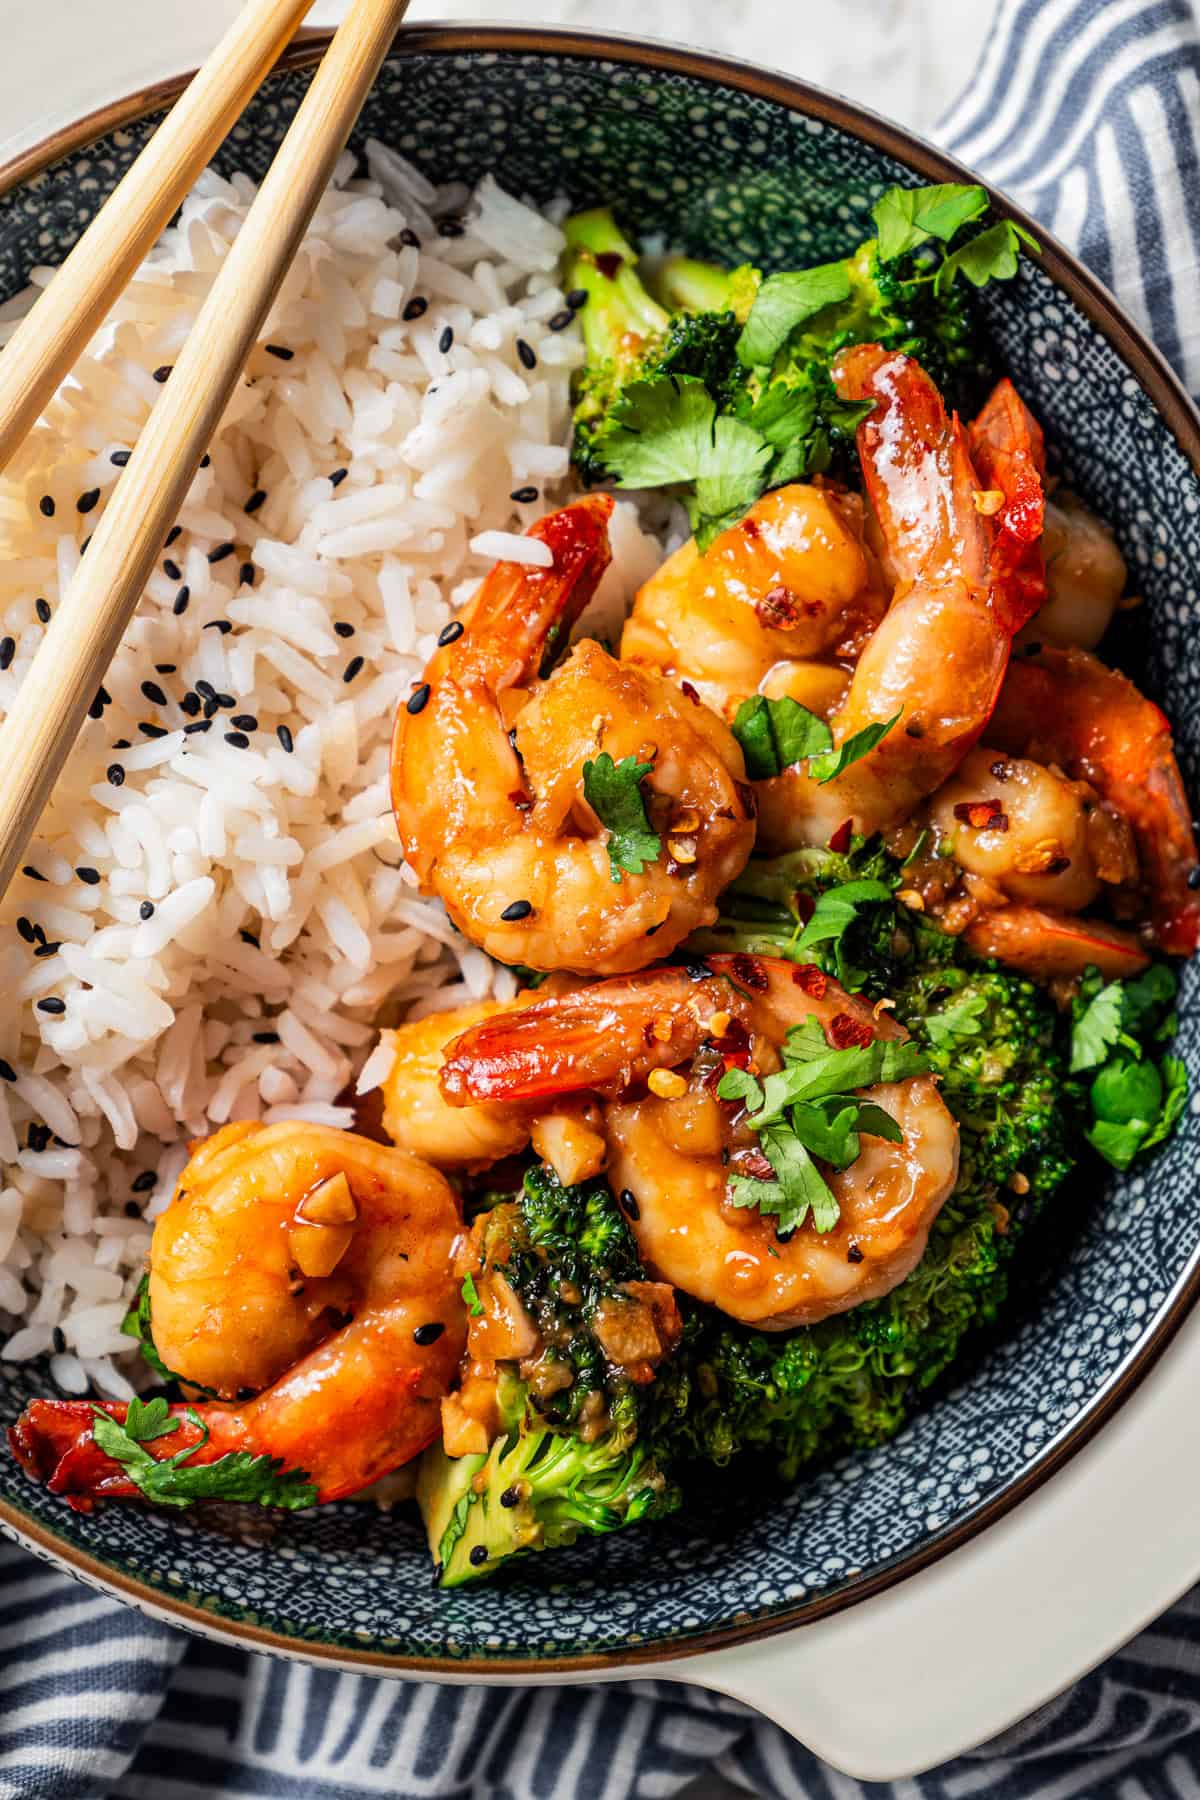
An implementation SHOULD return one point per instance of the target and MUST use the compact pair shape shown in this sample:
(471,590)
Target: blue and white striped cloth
(1087,111)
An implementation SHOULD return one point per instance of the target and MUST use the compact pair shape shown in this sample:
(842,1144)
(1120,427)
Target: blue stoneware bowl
(732,163)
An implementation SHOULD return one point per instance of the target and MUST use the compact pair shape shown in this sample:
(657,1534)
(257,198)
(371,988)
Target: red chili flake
(840,841)
(748,972)
(608,262)
(812,980)
(1002,770)
(755,1163)
(685,687)
(845,1032)
(777,610)
(751,527)
(734,1045)
(982,815)
(803,905)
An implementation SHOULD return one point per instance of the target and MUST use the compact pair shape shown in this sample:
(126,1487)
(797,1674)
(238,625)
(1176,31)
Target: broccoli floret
(684,285)
(570,1454)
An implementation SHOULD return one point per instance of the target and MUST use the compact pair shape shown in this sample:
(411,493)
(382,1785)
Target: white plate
(947,1658)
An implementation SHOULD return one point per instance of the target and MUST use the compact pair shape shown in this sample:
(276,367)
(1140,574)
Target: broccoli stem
(618,315)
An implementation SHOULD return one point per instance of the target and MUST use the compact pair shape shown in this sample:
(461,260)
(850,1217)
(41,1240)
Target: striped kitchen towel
(1088,112)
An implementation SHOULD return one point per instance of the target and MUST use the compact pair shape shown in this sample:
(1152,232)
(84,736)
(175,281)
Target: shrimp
(1051,945)
(488,776)
(1085,576)
(416,1113)
(1065,707)
(939,656)
(312,1267)
(771,607)
(672,1145)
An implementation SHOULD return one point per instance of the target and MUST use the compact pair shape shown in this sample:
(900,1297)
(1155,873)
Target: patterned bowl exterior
(729,174)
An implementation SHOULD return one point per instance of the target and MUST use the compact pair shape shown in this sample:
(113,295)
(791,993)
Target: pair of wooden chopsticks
(81,639)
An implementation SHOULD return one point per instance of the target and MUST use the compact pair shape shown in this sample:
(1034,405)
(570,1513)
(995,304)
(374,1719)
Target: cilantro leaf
(827,768)
(961,1019)
(613,791)
(992,256)
(1175,1085)
(665,430)
(1098,1029)
(774,734)
(470,1294)
(175,1481)
(739,1084)
(836,910)
(785,301)
(907,217)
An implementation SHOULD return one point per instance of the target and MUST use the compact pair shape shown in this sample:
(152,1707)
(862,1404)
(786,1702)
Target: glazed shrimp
(276,1233)
(775,605)
(488,783)
(939,656)
(1065,707)
(671,1150)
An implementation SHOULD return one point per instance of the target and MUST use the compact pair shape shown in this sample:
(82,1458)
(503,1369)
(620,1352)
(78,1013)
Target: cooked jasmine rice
(215,912)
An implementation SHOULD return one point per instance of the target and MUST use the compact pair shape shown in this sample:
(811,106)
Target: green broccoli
(570,1455)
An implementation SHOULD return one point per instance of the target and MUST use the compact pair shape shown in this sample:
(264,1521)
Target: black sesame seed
(221,552)
(418,700)
(89,876)
(451,228)
(47,949)
(222,625)
(121,744)
(8,649)
(38,1136)
(172,570)
(338,476)
(51,1004)
(226,700)
(175,532)
(96,708)
(285,738)
(244,722)
(519,909)
(163,371)
(527,354)
(151,731)
(247,574)
(1193,879)
(25,927)
(416,306)
(255,501)
(119,458)
(154,693)
(446,339)
(146,909)
(629,1205)
(478,1555)
(207,689)
(58,1340)
(116,775)
(238,739)
(352,668)
(279,350)
(141,1184)
(132,1210)
(450,633)
(408,236)
(190,704)
(248,937)
(42,609)
(428,1334)
(576,298)
(511,1496)
(197,725)
(86,501)
(266,1037)
(165,668)
(39,934)
(854,1254)
(7,1072)
(180,603)
(561,320)
(524,496)
(46,506)
(343,628)
(33,874)
(211,708)
(205,460)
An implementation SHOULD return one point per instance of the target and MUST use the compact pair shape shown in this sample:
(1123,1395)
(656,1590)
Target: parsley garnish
(470,1294)
(613,791)
(907,217)
(1098,1028)
(1135,1102)
(775,734)
(961,1019)
(992,256)
(809,1109)
(835,911)
(177,1482)
(785,301)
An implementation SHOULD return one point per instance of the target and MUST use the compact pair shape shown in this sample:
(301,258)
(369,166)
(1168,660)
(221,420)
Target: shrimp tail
(522,610)
(1009,453)
(54,1442)
(1066,707)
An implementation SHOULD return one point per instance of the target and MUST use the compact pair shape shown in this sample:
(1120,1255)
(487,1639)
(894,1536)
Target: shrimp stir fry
(656,1045)
(312,1268)
(489,776)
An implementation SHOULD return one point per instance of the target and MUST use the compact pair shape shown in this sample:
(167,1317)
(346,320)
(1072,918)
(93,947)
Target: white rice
(242,915)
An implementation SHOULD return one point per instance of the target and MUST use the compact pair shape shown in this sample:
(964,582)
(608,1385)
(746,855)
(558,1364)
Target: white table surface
(950,1656)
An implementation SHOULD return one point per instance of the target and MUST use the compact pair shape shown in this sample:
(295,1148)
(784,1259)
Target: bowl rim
(1170,400)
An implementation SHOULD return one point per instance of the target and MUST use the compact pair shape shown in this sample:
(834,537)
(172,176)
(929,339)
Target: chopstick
(51,336)
(83,635)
